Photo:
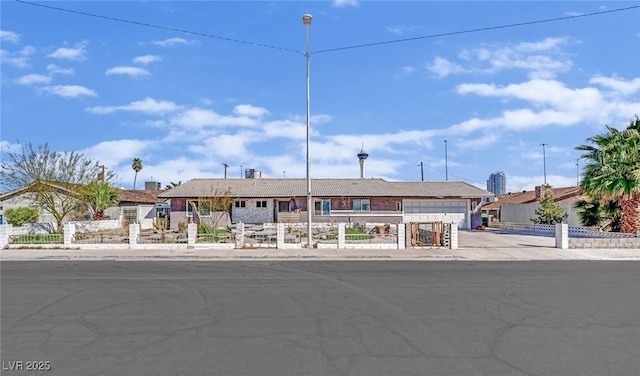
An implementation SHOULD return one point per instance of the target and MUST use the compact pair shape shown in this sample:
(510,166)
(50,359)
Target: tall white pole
(306,20)
(544,163)
(446,162)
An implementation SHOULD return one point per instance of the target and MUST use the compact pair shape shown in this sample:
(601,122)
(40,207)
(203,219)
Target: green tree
(612,171)
(549,212)
(22,215)
(56,179)
(136,165)
(100,196)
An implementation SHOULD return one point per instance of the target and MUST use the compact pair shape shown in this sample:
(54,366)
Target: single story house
(519,207)
(334,200)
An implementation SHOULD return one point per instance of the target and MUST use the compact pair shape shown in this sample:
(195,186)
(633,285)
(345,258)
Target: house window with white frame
(363,204)
(398,206)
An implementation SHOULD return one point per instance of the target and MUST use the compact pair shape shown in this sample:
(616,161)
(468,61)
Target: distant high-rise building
(497,183)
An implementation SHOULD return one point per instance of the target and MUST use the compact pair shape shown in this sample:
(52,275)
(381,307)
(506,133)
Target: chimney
(362,156)
(540,189)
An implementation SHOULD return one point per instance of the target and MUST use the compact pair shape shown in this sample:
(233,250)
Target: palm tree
(136,166)
(612,171)
(100,196)
(172,185)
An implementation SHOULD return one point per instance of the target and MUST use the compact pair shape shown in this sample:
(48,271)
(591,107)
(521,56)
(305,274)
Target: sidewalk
(432,254)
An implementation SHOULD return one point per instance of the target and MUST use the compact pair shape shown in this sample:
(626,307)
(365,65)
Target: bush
(21,215)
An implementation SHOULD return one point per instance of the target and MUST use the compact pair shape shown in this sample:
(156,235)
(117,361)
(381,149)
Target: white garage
(449,211)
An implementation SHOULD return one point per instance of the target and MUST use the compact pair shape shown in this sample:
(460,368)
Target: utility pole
(577,172)
(240,171)
(284,174)
(225,169)
(544,162)
(421,171)
(446,162)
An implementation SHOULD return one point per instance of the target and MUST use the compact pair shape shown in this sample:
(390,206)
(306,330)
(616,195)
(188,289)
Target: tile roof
(566,195)
(142,196)
(267,188)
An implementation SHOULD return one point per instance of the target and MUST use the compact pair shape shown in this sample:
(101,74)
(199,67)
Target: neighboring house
(334,200)
(520,207)
(139,206)
(26,197)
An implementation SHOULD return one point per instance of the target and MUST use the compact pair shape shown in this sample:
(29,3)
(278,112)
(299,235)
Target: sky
(190,86)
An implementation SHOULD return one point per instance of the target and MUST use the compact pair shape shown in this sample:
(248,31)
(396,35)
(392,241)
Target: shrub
(21,215)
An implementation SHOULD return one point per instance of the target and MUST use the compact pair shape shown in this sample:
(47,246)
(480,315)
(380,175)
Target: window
(399,206)
(362,205)
(261,204)
(323,207)
(203,207)
(241,204)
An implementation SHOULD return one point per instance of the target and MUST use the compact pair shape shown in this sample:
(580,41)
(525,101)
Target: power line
(330,49)
(160,27)
(476,30)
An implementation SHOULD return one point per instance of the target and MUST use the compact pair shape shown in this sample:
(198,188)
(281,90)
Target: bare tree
(216,205)
(55,179)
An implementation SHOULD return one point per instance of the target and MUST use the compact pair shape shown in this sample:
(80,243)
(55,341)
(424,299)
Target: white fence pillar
(5,231)
(401,236)
(280,235)
(562,235)
(192,234)
(240,235)
(454,236)
(68,232)
(341,232)
(134,231)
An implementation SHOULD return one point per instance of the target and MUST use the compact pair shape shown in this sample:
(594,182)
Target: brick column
(454,235)
(240,235)
(134,231)
(280,235)
(341,237)
(562,235)
(68,232)
(401,236)
(5,231)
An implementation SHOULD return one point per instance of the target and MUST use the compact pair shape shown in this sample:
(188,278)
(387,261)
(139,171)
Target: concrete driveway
(500,238)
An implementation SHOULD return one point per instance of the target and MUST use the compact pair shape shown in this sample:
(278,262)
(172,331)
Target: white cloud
(19,59)
(345,3)
(113,153)
(173,42)
(285,129)
(442,67)
(32,79)
(529,183)
(146,59)
(54,69)
(146,105)
(542,59)
(130,71)
(543,45)
(618,84)
(198,117)
(69,91)
(249,110)
(408,69)
(77,53)
(9,36)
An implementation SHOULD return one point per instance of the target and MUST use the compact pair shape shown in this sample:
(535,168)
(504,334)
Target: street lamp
(446,162)
(306,20)
(544,163)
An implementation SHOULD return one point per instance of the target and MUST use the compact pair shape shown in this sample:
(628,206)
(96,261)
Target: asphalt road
(321,318)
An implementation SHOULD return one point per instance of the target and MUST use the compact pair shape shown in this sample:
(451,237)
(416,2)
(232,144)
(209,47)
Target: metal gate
(427,234)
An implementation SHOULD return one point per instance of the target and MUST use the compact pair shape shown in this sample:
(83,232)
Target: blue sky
(187,103)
